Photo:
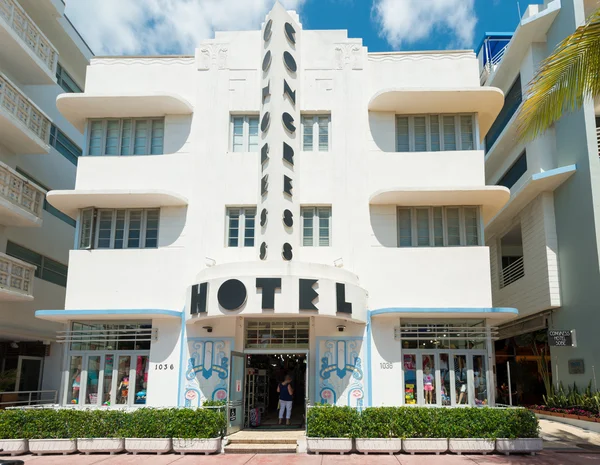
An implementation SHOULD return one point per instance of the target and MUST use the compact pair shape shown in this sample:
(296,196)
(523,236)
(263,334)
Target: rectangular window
(316,226)
(434,133)
(140,136)
(512,101)
(244,133)
(315,132)
(47,269)
(515,172)
(49,208)
(118,229)
(240,226)
(65,146)
(65,81)
(438,226)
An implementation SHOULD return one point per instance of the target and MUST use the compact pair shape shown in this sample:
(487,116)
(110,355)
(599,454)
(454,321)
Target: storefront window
(141,379)
(429,390)
(74,380)
(445,378)
(480,380)
(461,379)
(93,373)
(108,378)
(123,380)
(277,334)
(410,379)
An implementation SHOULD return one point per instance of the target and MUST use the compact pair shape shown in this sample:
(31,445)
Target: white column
(491,364)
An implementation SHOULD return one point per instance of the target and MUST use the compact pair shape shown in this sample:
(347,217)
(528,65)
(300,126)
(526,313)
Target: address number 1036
(386,365)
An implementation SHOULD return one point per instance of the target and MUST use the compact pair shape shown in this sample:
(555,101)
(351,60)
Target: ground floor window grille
(108,363)
(281,334)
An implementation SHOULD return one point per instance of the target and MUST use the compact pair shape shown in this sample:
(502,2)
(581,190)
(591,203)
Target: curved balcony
(28,53)
(16,279)
(21,201)
(78,108)
(71,201)
(490,198)
(486,102)
(24,128)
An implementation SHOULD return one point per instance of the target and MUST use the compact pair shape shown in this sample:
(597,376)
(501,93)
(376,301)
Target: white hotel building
(283,201)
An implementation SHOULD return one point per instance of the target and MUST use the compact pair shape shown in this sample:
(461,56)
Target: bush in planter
(12,424)
(376,422)
(51,423)
(332,422)
(148,423)
(197,424)
(518,423)
(98,424)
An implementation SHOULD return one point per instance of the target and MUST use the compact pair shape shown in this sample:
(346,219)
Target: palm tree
(564,80)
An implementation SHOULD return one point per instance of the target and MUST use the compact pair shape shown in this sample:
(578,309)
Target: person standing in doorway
(286,397)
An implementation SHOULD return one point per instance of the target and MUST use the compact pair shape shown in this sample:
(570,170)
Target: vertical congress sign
(279,123)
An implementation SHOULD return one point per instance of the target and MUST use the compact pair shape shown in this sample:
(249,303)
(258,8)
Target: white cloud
(146,27)
(409,21)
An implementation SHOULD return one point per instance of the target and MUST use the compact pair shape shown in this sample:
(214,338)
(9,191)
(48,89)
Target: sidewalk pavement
(545,458)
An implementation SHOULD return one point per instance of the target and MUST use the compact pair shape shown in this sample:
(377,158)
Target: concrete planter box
(197,446)
(425,445)
(52,446)
(379,445)
(148,445)
(104,445)
(338,445)
(471,446)
(13,446)
(519,446)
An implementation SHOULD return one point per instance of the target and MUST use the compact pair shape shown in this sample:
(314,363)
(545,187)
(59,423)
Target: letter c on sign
(232,294)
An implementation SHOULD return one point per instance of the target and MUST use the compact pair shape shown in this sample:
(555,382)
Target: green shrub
(98,423)
(422,422)
(12,423)
(200,423)
(332,422)
(148,423)
(214,403)
(50,424)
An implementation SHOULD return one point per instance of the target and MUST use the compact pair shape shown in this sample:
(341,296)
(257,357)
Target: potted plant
(100,431)
(519,433)
(421,430)
(8,379)
(331,428)
(198,430)
(147,430)
(48,431)
(375,431)
(471,430)
(12,441)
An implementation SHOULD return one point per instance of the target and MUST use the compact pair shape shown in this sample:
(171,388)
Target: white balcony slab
(25,50)
(24,127)
(485,101)
(490,198)
(16,279)
(547,181)
(21,201)
(77,108)
(71,201)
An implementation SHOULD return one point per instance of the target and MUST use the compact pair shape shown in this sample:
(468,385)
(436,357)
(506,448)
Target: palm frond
(563,81)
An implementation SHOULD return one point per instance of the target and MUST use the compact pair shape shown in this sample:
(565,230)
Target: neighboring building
(284,201)
(544,242)
(41,56)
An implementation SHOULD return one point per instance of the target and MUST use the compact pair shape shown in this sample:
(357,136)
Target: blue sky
(152,27)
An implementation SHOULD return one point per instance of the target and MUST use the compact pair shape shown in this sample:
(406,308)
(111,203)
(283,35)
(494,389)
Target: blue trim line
(182,342)
(369,371)
(394,310)
(554,172)
(132,312)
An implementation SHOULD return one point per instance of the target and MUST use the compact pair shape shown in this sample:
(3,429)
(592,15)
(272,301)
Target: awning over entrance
(111,314)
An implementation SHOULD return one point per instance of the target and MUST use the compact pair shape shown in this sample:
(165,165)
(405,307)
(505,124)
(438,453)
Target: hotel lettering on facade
(281,192)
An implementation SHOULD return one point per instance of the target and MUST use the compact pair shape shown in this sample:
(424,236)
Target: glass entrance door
(29,373)
(236,392)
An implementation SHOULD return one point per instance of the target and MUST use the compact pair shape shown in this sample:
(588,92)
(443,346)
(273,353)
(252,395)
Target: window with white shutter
(316,226)
(241,226)
(244,133)
(131,136)
(434,133)
(316,131)
(118,229)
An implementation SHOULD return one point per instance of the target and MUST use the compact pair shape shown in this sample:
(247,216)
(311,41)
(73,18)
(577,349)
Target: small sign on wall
(576,366)
(238,385)
(561,338)
(232,414)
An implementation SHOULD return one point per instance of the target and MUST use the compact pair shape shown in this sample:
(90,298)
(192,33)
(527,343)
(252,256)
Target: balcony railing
(512,273)
(18,190)
(25,28)
(27,398)
(17,104)
(16,275)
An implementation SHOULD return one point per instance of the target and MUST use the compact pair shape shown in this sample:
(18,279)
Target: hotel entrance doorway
(265,375)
